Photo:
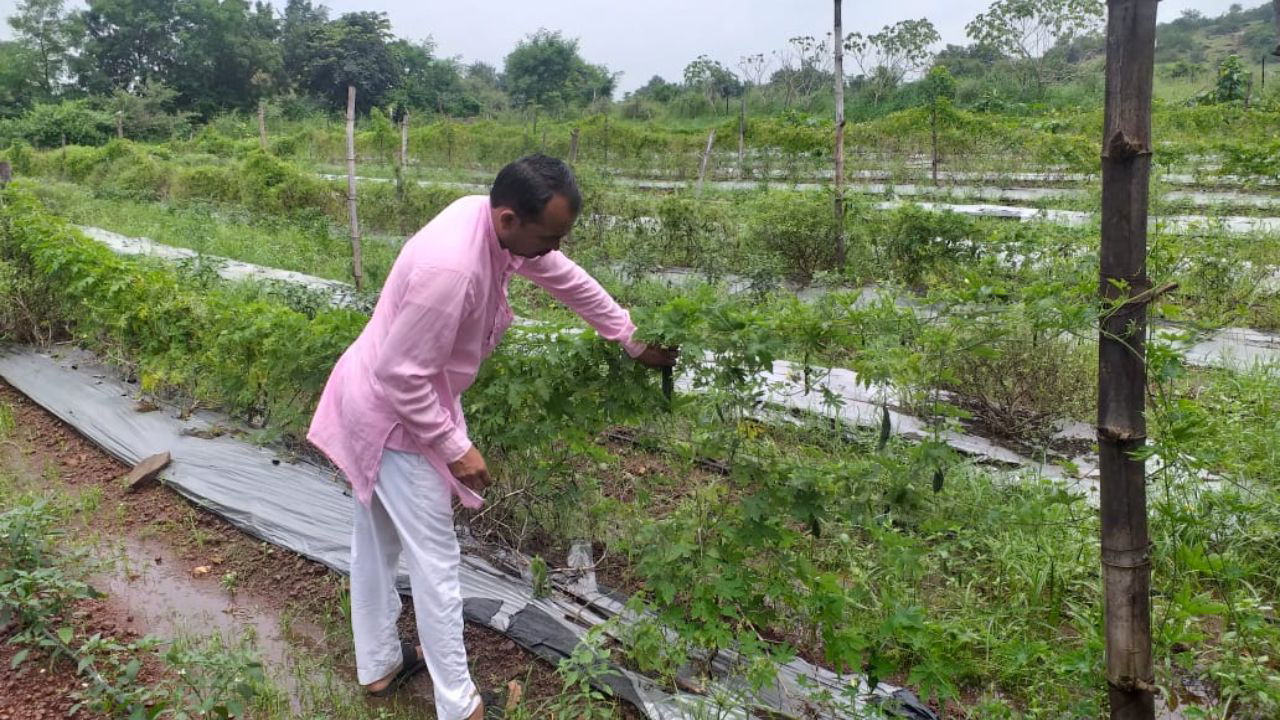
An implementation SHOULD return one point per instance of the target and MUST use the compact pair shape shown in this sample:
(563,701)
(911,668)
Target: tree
(126,43)
(804,67)
(147,113)
(1027,29)
(545,68)
(887,57)
(229,55)
(1231,85)
(18,70)
(352,50)
(429,83)
(301,24)
(482,83)
(658,89)
(712,79)
(42,27)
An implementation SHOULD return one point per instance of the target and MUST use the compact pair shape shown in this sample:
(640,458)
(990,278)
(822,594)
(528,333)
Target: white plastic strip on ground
(1177,224)
(922,190)
(859,404)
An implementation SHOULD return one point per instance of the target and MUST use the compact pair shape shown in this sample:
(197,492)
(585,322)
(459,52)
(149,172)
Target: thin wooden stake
(357,265)
(838,34)
(706,156)
(573,146)
(262,124)
(1122,372)
(742,133)
(606,141)
(401,158)
(933,123)
(404,138)
(120,124)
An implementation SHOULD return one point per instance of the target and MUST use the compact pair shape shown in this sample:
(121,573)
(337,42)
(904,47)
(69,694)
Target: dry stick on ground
(1125,288)
(357,264)
(838,34)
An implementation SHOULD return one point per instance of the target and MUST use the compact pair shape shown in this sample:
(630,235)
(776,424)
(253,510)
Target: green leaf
(19,657)
(65,634)
(937,480)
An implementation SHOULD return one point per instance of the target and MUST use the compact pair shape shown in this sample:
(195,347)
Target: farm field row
(922,555)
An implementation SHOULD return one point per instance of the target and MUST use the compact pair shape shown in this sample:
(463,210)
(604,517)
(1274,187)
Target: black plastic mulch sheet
(307,509)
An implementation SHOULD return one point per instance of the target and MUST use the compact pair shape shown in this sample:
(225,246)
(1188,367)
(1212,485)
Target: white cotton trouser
(411,511)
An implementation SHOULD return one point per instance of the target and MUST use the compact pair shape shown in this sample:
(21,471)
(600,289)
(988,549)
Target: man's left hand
(657,357)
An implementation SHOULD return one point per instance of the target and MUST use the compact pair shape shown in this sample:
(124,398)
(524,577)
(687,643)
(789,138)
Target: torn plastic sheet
(307,509)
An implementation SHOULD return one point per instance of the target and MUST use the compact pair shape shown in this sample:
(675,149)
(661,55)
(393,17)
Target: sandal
(497,703)
(410,665)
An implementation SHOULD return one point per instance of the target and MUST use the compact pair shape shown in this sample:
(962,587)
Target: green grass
(313,247)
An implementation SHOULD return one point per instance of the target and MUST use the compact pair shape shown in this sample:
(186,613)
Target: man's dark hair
(528,184)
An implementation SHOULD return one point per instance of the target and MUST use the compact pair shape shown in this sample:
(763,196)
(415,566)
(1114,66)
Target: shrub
(797,227)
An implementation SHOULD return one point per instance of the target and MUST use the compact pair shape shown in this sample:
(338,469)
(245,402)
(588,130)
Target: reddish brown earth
(165,540)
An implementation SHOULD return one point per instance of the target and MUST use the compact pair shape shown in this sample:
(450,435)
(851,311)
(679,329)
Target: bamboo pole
(1125,291)
(706,157)
(357,269)
(838,34)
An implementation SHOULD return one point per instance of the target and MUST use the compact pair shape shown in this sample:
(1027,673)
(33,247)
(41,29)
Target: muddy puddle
(161,594)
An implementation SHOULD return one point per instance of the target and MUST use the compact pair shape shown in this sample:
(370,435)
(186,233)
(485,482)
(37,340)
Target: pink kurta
(443,309)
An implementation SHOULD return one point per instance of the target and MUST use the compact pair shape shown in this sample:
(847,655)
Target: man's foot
(497,704)
(411,664)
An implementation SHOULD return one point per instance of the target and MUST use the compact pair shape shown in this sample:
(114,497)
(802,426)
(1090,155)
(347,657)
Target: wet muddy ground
(172,570)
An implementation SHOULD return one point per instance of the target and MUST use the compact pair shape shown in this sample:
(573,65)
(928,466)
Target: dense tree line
(158,65)
(219,55)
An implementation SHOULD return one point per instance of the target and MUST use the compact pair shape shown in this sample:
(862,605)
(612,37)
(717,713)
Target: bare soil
(172,561)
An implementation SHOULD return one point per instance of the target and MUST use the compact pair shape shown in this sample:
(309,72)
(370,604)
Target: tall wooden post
(401,157)
(404,138)
(262,124)
(933,128)
(706,157)
(1122,372)
(120,124)
(573,146)
(357,269)
(606,140)
(838,35)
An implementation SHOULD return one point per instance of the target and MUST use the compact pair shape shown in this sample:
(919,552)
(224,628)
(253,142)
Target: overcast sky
(651,37)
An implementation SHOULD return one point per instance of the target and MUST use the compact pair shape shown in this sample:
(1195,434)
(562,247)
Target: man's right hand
(470,470)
